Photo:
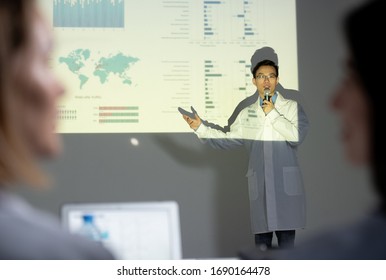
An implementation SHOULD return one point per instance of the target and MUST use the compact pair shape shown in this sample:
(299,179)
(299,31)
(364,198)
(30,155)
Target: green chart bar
(118,114)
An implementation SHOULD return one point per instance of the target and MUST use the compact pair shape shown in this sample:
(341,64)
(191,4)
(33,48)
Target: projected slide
(128,65)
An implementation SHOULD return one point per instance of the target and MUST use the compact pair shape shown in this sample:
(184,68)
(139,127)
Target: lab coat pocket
(252,184)
(292,180)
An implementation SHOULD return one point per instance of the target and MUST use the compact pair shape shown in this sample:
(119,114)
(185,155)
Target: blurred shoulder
(29,233)
(363,240)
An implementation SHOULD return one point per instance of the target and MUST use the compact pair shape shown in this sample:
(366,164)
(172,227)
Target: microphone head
(266,93)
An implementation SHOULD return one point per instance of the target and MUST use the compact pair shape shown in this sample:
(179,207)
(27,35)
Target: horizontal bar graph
(118,114)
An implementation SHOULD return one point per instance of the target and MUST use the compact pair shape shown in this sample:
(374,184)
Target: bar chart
(118,114)
(89,13)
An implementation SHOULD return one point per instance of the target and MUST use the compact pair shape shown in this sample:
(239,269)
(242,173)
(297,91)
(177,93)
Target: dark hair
(367,58)
(265,62)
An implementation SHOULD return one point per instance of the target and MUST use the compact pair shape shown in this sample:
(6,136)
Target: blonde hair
(17,165)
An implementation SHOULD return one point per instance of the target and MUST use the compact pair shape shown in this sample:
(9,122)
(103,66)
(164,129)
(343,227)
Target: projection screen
(128,65)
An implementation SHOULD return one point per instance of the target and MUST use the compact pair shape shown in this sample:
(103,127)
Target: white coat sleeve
(219,139)
(293,125)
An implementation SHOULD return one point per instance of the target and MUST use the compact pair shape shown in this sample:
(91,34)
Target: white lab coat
(276,191)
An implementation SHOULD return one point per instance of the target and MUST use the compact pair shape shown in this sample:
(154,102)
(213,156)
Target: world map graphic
(82,64)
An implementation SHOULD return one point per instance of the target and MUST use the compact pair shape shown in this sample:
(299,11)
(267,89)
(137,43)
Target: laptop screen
(131,231)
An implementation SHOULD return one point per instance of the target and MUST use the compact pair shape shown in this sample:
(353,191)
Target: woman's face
(39,91)
(351,105)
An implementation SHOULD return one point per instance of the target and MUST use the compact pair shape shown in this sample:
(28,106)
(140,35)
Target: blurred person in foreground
(358,101)
(29,93)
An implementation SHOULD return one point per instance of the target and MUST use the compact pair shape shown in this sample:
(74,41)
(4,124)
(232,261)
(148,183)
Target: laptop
(130,230)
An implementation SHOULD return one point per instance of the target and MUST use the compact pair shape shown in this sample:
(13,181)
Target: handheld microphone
(266,94)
